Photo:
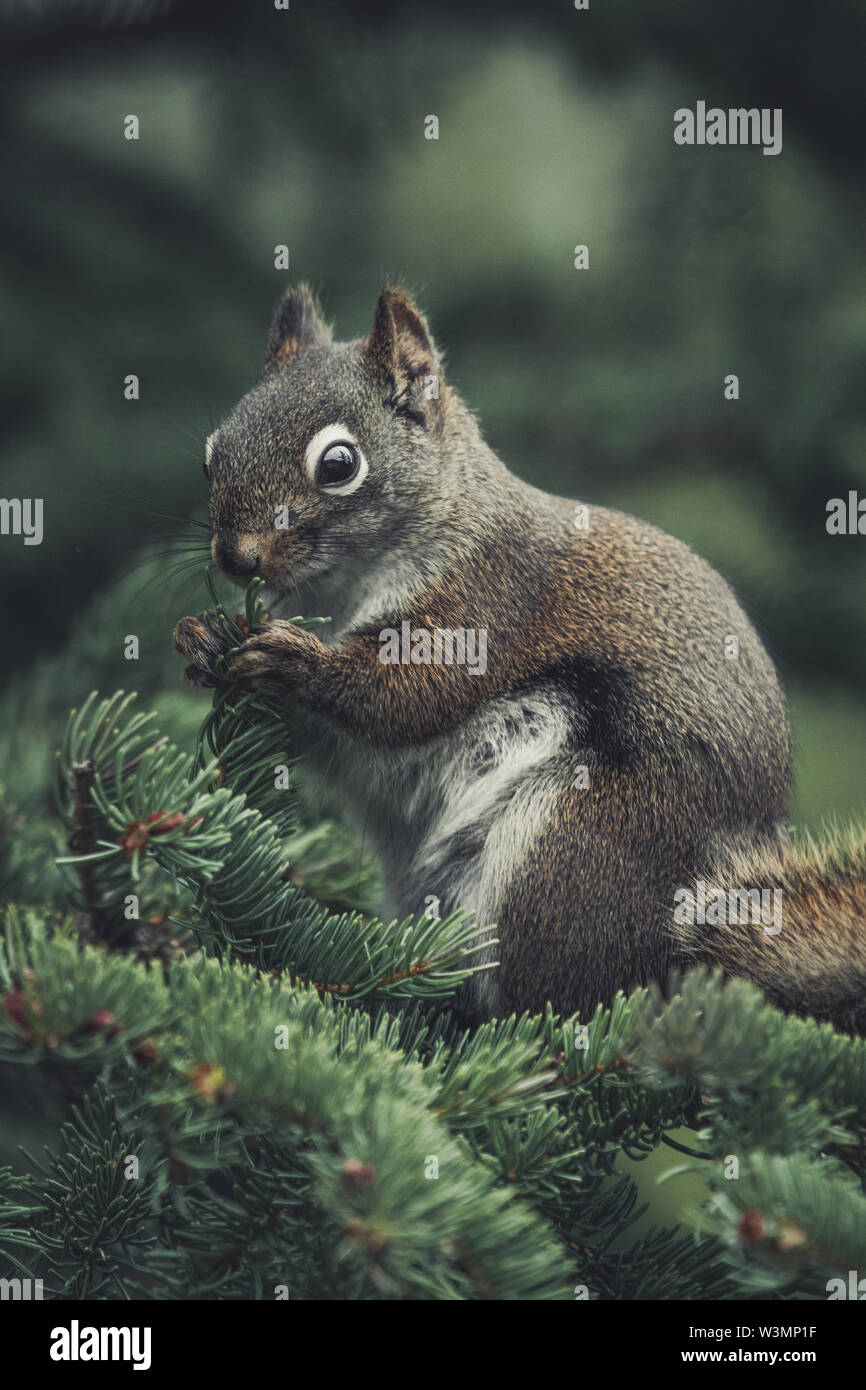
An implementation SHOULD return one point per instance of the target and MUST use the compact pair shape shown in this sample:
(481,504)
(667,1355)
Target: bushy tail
(803,942)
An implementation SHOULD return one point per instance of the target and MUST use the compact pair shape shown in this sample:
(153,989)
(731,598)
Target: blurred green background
(261,127)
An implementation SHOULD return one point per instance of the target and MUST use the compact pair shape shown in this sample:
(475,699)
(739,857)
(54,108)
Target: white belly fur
(488,785)
(453,819)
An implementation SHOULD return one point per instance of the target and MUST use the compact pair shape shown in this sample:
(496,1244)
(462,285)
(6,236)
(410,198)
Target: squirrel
(555,717)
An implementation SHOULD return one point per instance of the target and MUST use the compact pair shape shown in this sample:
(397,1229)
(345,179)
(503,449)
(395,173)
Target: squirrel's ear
(400,348)
(297,325)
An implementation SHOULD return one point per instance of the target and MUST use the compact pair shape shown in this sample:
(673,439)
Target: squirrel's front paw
(279,659)
(204,642)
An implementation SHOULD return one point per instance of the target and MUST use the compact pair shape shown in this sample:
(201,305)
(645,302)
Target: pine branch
(80,1220)
(153,804)
(219,1099)
(356,1107)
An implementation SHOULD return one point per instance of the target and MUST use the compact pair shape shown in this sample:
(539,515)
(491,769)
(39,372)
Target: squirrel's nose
(237,555)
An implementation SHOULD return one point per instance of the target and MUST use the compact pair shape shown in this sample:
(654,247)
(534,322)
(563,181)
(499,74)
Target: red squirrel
(556,717)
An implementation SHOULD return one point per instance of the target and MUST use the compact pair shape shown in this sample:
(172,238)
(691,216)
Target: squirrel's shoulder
(609,568)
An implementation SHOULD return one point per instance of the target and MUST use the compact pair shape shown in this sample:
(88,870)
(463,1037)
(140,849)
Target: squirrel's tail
(791,920)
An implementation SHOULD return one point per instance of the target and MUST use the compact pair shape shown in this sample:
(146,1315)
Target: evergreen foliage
(260,1097)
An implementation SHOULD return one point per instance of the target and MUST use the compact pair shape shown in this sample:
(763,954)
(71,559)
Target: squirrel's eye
(338,464)
(334,462)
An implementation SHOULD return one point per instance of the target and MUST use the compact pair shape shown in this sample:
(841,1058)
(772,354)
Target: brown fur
(616,634)
(816,964)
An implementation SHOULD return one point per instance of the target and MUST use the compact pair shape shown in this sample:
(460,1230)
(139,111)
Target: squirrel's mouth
(274,556)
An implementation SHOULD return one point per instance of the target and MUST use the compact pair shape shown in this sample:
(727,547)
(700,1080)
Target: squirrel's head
(334,452)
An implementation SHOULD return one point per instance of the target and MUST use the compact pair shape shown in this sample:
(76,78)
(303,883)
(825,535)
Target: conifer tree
(259,1093)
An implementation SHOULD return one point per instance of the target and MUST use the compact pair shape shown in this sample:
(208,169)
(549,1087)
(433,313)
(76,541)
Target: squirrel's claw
(277,658)
(203,641)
